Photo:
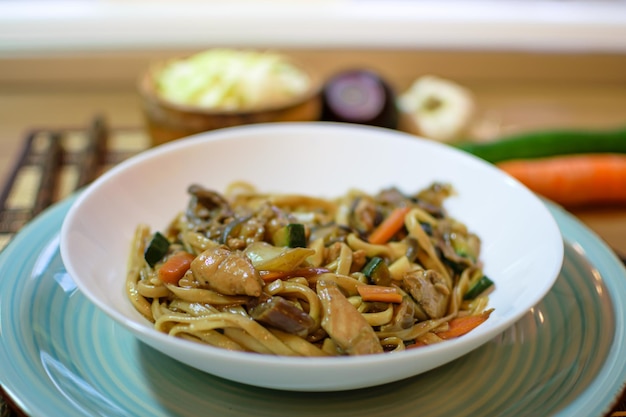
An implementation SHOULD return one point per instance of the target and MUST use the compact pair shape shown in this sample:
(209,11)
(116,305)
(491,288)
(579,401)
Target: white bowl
(522,245)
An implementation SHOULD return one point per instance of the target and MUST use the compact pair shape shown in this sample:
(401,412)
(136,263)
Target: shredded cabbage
(228,79)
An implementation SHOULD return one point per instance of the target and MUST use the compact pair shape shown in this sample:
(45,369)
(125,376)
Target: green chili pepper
(548,143)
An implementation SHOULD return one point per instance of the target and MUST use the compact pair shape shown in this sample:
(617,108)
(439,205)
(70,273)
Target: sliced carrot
(389,227)
(175,267)
(379,293)
(573,180)
(459,326)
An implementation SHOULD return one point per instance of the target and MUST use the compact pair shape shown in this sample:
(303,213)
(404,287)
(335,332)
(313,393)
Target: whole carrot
(573,180)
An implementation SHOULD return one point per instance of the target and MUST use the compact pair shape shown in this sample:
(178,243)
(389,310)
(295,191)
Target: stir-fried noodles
(299,275)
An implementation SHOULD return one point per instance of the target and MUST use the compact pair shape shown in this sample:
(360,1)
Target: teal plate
(60,356)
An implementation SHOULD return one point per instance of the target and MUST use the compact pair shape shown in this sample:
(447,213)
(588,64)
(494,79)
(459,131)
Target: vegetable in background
(438,109)
(359,96)
(573,180)
(548,143)
(570,167)
(231,79)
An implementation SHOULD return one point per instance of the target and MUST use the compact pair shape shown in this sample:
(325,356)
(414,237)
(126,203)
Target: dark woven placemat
(56,162)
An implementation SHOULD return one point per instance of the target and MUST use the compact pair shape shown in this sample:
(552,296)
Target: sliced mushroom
(206,211)
(364,215)
(283,315)
(204,201)
(392,196)
(403,316)
(208,198)
(459,248)
(432,198)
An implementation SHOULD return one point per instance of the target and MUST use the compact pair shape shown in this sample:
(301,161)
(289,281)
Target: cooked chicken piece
(428,288)
(344,324)
(227,272)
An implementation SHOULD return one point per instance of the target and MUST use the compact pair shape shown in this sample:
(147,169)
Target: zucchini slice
(377,271)
(157,249)
(292,235)
(478,288)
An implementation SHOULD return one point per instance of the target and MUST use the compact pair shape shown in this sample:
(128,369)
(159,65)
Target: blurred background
(530,55)
(534,63)
(530,65)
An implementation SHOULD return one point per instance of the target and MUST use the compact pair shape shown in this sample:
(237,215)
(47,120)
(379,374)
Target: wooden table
(515,92)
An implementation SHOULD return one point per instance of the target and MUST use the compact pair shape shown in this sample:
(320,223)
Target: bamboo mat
(56,162)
